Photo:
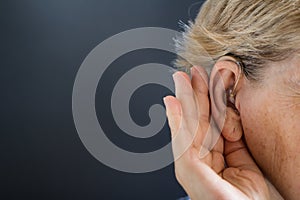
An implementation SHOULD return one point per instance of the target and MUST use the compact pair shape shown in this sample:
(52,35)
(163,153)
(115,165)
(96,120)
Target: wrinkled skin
(270,114)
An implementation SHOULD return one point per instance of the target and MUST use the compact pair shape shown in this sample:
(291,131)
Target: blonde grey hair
(256,31)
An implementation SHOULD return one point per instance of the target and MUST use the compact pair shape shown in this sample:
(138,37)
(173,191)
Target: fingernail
(194,71)
(167,107)
(175,77)
(166,101)
(200,72)
(177,80)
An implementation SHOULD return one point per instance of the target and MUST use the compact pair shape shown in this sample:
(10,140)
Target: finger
(180,140)
(173,112)
(200,72)
(185,75)
(200,181)
(242,171)
(218,107)
(232,129)
(217,162)
(238,156)
(185,94)
(184,91)
(251,183)
(200,87)
(212,141)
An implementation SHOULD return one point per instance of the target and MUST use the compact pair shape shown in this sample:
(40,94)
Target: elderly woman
(255,81)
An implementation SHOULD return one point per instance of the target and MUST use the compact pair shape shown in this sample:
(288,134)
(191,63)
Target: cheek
(258,134)
(254,131)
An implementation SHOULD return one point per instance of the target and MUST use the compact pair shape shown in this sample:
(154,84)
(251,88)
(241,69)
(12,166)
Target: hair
(258,32)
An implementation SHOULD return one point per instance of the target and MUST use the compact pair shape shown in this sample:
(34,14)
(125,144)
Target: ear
(225,79)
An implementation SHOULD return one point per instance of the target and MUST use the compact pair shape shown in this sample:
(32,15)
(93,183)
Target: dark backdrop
(43,44)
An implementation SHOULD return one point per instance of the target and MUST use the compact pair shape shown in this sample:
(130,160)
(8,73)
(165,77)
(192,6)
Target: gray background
(43,44)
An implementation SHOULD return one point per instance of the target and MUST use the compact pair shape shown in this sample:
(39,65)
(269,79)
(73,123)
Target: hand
(207,177)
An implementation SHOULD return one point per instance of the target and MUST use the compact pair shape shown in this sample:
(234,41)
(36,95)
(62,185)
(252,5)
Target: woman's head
(257,31)
(265,36)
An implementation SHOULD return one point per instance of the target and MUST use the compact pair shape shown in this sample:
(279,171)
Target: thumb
(242,171)
(238,156)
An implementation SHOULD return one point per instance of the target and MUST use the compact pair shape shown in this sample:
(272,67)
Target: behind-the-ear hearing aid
(231,92)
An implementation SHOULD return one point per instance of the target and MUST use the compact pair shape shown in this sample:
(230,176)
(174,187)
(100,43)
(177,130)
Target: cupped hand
(227,171)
